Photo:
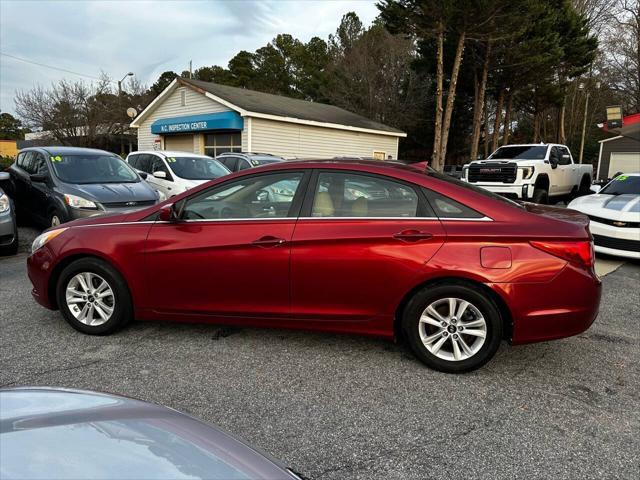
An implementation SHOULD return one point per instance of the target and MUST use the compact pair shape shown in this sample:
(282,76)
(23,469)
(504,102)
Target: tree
(10,127)
(163,81)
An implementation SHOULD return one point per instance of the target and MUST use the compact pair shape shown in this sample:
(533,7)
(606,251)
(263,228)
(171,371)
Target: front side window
(217,143)
(39,164)
(264,196)
(344,194)
(564,157)
(158,165)
(197,168)
(93,169)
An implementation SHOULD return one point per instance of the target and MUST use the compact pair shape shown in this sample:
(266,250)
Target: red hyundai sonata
(339,246)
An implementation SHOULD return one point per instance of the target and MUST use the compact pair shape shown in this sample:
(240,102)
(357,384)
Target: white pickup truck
(533,172)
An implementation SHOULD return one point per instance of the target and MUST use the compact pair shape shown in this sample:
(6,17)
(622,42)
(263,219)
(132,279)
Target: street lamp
(130,74)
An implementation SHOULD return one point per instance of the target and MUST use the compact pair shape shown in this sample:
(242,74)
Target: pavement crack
(52,370)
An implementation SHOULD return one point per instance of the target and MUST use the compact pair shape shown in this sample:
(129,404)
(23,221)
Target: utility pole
(120,129)
(582,86)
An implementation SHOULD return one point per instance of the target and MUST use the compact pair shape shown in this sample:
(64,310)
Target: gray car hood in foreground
(112,192)
(71,434)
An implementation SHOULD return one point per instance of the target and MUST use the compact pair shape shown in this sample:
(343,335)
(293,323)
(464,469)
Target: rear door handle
(412,235)
(268,241)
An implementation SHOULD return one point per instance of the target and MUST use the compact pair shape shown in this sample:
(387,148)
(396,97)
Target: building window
(379,155)
(217,143)
(183,98)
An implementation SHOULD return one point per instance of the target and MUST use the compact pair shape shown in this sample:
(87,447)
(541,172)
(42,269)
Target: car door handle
(412,235)
(268,241)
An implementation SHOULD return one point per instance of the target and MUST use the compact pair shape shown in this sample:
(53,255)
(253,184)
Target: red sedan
(339,246)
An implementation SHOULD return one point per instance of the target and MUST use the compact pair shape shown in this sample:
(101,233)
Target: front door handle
(412,235)
(268,241)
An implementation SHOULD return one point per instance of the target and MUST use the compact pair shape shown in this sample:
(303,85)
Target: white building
(202,117)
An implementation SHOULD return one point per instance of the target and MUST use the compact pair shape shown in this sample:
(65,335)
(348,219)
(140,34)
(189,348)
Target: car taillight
(579,253)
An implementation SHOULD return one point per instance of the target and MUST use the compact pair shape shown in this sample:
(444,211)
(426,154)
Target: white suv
(175,172)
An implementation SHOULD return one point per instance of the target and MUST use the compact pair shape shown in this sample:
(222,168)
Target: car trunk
(577,220)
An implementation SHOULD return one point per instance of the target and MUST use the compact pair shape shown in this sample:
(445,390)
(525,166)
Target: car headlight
(78,202)
(161,196)
(527,172)
(42,239)
(4,203)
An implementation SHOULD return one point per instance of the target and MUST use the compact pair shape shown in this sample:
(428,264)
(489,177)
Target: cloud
(149,37)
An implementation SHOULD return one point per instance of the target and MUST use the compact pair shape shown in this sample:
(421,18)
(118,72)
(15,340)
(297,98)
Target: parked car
(176,172)
(535,172)
(446,264)
(71,434)
(615,216)
(53,185)
(8,226)
(236,161)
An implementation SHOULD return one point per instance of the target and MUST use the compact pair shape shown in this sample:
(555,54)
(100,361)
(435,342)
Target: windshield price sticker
(57,158)
(621,178)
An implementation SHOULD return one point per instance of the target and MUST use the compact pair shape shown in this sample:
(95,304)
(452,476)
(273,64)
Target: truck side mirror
(554,162)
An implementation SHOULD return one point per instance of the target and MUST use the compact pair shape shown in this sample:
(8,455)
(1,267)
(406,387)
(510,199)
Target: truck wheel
(541,196)
(585,187)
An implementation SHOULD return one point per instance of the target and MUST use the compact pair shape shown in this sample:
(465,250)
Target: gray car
(72,434)
(236,161)
(8,228)
(53,185)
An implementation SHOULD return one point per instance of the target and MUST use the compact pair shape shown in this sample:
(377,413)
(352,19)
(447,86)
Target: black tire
(584,188)
(478,299)
(541,196)
(122,304)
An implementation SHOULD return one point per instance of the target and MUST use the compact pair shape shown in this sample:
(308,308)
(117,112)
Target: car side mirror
(169,213)
(160,174)
(143,175)
(595,188)
(38,177)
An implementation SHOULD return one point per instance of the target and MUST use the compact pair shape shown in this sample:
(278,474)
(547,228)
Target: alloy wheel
(452,329)
(55,221)
(90,298)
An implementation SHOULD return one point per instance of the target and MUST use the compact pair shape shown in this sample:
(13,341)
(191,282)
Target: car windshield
(536,152)
(623,185)
(96,168)
(448,178)
(197,168)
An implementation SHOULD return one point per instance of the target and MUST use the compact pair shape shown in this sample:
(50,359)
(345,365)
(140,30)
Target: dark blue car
(53,185)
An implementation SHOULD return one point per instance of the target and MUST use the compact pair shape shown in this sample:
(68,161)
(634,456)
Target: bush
(5,162)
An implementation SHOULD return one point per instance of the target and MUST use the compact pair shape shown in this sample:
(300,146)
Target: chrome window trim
(413,219)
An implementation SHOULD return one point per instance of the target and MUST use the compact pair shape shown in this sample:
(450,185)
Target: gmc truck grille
(493,172)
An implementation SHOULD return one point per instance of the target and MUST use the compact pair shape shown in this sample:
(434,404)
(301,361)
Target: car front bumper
(516,191)
(7,227)
(618,241)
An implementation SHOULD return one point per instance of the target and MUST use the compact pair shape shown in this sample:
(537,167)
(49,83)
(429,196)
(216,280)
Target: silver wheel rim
(90,299)
(55,221)
(452,329)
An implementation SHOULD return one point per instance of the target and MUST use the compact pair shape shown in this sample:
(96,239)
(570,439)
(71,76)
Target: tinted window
(264,196)
(21,158)
(134,160)
(562,160)
(157,165)
(39,164)
(197,168)
(230,162)
(446,207)
(537,152)
(28,162)
(92,169)
(342,194)
(243,164)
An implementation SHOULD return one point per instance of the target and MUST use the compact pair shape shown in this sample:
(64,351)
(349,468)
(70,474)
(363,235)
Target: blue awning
(198,123)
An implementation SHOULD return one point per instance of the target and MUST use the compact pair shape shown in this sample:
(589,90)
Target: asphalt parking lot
(342,407)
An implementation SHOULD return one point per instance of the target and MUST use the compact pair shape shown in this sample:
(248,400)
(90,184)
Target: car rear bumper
(564,307)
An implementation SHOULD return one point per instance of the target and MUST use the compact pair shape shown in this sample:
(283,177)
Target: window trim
(428,192)
(424,211)
(294,210)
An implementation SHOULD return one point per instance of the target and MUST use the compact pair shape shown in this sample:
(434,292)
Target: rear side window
(230,162)
(446,207)
(134,160)
(345,194)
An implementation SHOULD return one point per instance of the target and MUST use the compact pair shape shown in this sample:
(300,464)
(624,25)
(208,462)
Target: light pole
(130,74)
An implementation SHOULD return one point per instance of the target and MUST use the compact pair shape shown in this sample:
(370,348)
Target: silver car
(8,228)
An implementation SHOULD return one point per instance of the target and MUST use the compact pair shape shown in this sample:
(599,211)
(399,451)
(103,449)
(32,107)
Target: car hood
(113,192)
(613,207)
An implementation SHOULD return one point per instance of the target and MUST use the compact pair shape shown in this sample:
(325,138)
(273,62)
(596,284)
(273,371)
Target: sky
(147,38)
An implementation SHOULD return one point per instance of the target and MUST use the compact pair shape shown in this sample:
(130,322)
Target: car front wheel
(453,328)
(93,297)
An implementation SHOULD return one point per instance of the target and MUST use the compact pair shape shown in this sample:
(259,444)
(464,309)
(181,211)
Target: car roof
(266,156)
(170,153)
(55,150)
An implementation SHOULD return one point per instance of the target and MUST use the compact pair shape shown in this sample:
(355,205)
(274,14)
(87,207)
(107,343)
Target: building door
(625,162)
(180,143)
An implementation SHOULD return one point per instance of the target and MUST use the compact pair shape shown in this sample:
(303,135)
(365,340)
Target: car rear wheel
(452,328)
(93,297)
